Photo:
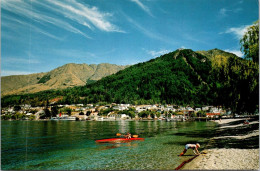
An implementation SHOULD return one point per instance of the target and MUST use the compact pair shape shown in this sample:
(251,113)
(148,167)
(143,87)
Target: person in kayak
(128,135)
(192,146)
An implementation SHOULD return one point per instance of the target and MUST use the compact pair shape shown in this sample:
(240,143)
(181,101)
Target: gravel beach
(228,158)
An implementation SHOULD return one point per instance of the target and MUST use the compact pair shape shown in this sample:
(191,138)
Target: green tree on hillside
(250,42)
(54,111)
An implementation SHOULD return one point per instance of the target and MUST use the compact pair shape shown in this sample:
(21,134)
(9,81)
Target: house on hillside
(113,116)
(197,109)
(120,108)
(93,116)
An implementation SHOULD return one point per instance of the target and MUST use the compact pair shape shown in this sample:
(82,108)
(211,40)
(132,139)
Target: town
(112,112)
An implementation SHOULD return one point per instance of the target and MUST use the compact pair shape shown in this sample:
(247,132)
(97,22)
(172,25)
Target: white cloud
(85,15)
(223,11)
(16,25)
(237,31)
(16,60)
(157,53)
(143,7)
(236,52)
(13,72)
(88,17)
(148,33)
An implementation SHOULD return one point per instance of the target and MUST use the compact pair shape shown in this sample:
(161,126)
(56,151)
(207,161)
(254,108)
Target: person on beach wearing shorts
(194,147)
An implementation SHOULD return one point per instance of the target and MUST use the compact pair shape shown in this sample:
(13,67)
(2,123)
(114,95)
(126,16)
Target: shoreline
(228,158)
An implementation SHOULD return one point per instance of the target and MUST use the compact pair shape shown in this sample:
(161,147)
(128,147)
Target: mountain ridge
(68,75)
(183,77)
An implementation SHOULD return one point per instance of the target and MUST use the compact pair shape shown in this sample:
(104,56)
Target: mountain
(182,77)
(68,75)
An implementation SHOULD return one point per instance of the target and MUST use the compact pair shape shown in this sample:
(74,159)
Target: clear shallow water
(62,145)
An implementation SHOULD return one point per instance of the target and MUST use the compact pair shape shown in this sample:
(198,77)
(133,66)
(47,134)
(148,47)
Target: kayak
(114,140)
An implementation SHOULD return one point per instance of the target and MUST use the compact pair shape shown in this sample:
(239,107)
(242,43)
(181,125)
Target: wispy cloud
(85,15)
(147,32)
(75,12)
(143,7)
(157,53)
(18,60)
(14,72)
(73,53)
(236,52)
(237,31)
(224,12)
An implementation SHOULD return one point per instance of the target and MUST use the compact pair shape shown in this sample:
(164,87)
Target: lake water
(62,145)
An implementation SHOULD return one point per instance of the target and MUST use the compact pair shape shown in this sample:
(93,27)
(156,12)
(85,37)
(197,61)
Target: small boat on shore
(118,140)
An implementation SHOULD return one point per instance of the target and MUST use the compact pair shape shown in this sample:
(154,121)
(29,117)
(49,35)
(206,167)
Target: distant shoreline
(228,158)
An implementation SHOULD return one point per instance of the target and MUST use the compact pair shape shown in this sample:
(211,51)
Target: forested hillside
(182,77)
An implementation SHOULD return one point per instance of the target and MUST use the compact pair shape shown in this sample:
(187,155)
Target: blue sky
(40,35)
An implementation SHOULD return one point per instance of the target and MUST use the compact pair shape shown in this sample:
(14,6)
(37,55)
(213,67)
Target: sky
(41,35)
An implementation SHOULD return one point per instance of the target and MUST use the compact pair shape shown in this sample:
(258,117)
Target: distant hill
(68,75)
(182,77)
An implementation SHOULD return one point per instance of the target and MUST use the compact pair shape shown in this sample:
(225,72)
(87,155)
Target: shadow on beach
(224,136)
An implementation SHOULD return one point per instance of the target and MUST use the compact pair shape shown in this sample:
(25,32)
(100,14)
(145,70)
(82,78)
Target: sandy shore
(227,159)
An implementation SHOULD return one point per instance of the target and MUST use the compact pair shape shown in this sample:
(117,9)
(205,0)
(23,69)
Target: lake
(63,145)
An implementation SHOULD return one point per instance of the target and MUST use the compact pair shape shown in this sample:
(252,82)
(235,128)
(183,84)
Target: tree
(17,108)
(250,42)
(67,110)
(201,113)
(47,113)
(54,111)
(88,113)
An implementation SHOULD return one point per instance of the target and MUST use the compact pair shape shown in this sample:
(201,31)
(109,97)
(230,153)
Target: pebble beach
(232,157)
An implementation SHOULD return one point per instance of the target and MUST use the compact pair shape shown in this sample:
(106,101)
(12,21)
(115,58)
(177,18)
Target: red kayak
(115,140)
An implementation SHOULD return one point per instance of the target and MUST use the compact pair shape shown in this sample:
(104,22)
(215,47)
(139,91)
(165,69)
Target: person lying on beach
(194,147)
(128,135)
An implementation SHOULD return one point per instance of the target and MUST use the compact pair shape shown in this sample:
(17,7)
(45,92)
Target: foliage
(6,117)
(44,79)
(236,85)
(47,114)
(182,77)
(17,108)
(104,112)
(32,117)
(144,114)
(81,113)
(201,113)
(16,116)
(130,112)
(54,111)
(66,110)
(88,113)
(250,42)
